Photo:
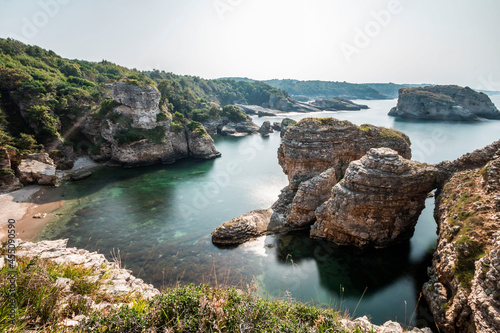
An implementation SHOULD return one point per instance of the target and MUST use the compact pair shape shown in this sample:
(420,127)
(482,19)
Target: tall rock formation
(314,145)
(314,154)
(137,132)
(378,201)
(444,103)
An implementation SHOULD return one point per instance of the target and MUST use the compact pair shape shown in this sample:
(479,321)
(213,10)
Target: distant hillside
(327,89)
(311,90)
(391,89)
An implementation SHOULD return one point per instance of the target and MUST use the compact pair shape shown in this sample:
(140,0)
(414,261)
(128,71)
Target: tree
(26,141)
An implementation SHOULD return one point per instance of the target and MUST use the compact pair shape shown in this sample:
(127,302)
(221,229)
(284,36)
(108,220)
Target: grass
(206,309)
(41,305)
(39,301)
(470,240)
(469,251)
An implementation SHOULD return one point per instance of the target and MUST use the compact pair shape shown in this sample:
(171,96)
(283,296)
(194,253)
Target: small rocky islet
(451,103)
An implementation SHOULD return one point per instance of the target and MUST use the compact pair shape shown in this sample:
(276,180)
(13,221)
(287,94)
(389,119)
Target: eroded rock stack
(315,154)
(315,145)
(378,202)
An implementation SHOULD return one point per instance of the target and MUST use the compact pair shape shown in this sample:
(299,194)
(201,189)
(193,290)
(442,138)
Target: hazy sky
(404,41)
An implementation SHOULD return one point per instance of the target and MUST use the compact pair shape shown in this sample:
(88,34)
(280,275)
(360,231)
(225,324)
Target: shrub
(197,129)
(234,114)
(26,142)
(162,116)
(81,82)
(6,172)
(46,123)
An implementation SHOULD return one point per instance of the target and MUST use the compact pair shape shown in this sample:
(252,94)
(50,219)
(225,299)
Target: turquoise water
(158,221)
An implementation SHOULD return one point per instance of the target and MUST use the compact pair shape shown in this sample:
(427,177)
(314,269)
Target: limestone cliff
(378,201)
(463,290)
(444,103)
(137,132)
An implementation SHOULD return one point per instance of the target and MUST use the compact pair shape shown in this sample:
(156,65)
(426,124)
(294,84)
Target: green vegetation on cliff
(461,199)
(44,97)
(195,97)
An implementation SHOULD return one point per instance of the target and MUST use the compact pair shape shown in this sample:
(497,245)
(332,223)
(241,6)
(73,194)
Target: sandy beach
(23,204)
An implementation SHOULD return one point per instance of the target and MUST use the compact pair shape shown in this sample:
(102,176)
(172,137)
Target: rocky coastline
(463,288)
(272,109)
(131,131)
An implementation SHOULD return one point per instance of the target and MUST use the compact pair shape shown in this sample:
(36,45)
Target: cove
(158,221)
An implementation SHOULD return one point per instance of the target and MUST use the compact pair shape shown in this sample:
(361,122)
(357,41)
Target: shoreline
(23,204)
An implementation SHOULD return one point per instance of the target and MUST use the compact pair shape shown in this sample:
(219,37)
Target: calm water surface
(160,219)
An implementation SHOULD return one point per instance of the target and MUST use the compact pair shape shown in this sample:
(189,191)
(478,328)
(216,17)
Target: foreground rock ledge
(120,282)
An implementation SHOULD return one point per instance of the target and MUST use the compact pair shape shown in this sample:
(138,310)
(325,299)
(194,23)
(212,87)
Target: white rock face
(35,172)
(116,281)
(153,140)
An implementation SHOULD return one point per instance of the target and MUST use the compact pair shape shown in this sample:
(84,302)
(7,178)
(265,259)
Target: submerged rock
(243,228)
(266,129)
(378,201)
(444,103)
